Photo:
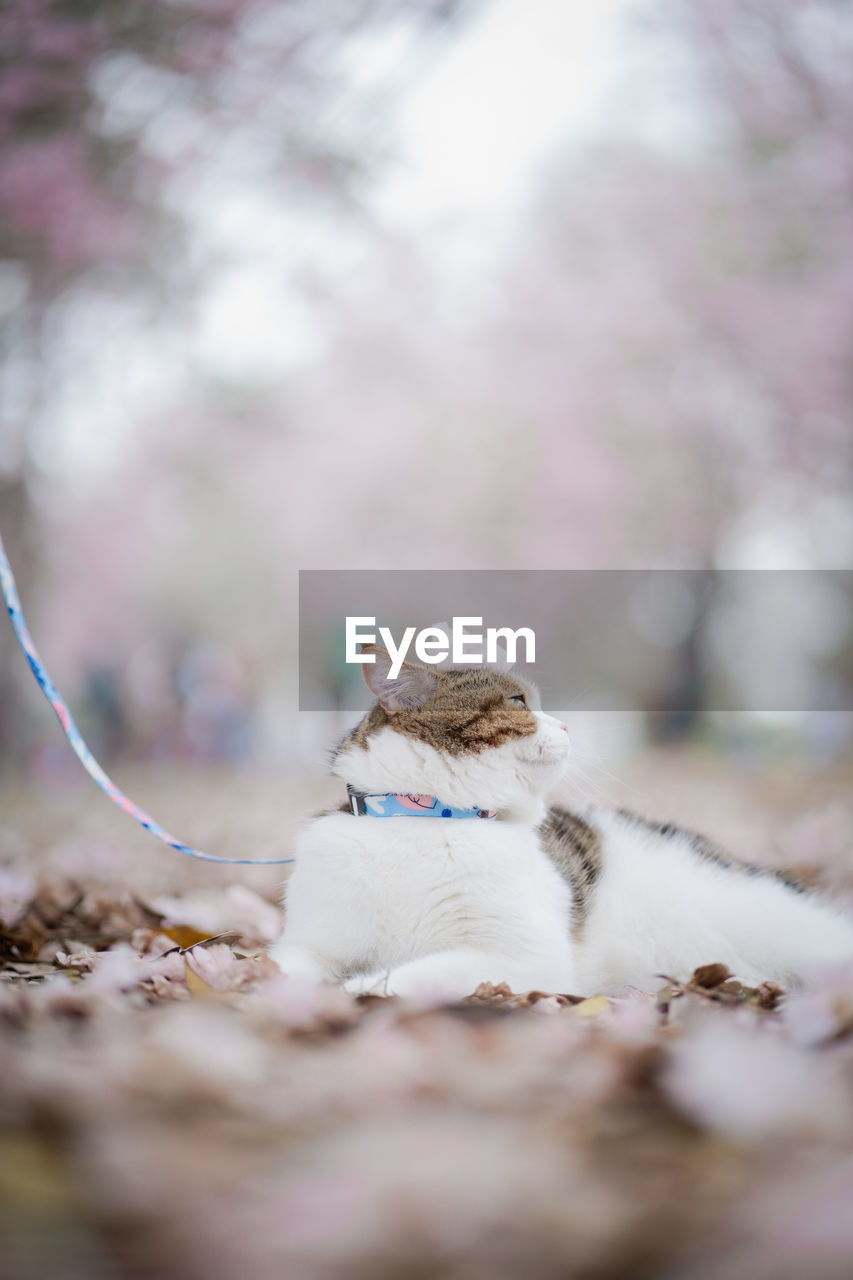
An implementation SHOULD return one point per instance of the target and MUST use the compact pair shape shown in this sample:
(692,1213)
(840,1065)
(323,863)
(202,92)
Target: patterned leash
(72,733)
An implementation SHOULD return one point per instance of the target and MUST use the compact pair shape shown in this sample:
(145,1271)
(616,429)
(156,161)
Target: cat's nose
(565,728)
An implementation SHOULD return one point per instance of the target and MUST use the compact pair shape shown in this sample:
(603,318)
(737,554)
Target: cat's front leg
(297,961)
(443,976)
(368,984)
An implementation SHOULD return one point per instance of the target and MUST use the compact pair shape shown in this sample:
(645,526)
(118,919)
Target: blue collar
(385,805)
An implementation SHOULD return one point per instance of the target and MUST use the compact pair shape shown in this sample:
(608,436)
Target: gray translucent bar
(664,641)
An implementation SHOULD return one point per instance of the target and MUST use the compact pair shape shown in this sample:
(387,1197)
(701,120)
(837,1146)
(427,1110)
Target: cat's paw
(296,962)
(431,980)
(368,984)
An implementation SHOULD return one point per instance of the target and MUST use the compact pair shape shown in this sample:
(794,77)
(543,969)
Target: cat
(446,868)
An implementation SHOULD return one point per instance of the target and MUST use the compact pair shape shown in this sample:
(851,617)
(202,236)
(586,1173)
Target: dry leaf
(592,1007)
(184,935)
(710,976)
(195,983)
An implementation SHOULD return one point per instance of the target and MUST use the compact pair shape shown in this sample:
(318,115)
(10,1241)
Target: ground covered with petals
(171,1106)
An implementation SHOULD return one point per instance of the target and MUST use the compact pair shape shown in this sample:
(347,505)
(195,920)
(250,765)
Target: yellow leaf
(184,934)
(197,985)
(592,1007)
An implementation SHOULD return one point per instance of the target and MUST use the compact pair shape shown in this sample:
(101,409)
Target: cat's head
(472,736)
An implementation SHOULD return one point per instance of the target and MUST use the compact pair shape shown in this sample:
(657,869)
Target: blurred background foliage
(442,283)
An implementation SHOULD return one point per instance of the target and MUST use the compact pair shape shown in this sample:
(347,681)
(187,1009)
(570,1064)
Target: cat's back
(655,898)
(616,856)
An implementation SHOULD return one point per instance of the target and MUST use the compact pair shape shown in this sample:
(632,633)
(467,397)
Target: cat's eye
(519,698)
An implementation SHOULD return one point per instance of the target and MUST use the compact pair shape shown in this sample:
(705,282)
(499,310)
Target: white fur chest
(373,893)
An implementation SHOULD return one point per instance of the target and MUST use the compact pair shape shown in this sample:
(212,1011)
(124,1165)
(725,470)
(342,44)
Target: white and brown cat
(447,868)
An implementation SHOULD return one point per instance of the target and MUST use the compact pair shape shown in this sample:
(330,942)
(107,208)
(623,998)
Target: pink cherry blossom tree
(103,108)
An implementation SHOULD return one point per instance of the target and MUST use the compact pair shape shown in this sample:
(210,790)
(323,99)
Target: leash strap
(72,733)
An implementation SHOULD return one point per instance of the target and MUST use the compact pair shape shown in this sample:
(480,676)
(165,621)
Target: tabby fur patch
(574,846)
(468,713)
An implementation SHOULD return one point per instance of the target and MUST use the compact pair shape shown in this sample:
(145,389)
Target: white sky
(528,74)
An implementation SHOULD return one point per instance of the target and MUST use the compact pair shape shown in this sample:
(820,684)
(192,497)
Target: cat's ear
(411,687)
